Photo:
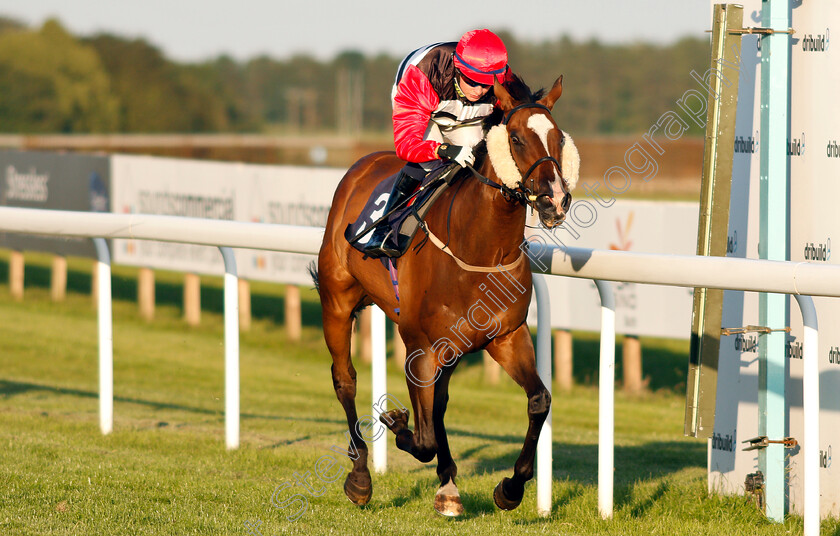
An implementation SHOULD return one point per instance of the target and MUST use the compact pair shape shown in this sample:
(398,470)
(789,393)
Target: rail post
(231,350)
(106,337)
(379,387)
(606,400)
(544,462)
(811,414)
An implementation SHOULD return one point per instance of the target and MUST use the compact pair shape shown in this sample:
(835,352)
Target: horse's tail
(313,273)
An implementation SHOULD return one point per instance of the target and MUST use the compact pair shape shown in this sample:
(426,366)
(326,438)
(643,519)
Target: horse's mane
(520,92)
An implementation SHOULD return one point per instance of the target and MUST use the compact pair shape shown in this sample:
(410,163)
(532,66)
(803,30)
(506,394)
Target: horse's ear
(556,90)
(505,100)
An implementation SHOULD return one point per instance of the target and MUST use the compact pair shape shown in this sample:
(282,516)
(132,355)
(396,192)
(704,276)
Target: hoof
(396,419)
(502,500)
(448,501)
(358,488)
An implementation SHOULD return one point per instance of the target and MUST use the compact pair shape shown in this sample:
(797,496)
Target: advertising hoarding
(57,182)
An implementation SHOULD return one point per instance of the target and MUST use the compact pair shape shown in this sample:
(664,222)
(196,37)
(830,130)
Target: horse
(482,220)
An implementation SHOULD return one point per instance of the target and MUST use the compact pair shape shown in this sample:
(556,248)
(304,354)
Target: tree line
(54,82)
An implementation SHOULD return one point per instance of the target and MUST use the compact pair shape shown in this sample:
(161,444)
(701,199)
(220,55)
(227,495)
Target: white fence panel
(288,195)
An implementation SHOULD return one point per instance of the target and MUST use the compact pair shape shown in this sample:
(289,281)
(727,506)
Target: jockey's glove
(456,153)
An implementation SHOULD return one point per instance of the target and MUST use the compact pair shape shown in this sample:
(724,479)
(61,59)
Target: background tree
(154,94)
(11,25)
(50,82)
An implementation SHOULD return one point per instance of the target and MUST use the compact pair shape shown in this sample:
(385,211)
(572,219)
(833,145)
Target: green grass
(164,470)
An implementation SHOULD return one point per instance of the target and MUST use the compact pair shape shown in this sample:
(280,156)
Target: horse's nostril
(566,202)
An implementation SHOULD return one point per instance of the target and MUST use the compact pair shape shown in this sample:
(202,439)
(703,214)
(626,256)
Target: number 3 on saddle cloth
(405,221)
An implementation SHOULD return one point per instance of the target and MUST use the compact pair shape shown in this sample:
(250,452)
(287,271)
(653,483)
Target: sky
(194,30)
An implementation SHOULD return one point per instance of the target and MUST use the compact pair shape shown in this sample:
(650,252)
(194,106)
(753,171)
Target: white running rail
(799,279)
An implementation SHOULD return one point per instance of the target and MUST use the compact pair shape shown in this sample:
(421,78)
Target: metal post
(231,350)
(544,462)
(106,338)
(606,400)
(379,384)
(811,415)
(718,155)
(773,230)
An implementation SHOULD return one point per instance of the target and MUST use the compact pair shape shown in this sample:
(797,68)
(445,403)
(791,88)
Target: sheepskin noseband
(498,148)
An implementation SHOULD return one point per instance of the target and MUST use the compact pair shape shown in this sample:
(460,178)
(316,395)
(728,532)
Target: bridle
(521,193)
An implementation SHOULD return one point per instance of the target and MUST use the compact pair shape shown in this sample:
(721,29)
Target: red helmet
(480,55)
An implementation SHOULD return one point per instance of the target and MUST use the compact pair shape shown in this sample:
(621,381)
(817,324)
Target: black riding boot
(376,246)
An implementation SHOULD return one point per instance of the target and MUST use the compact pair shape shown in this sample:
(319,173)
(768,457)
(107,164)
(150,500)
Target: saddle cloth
(403,222)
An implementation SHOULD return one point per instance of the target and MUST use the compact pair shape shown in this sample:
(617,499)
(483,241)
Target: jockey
(441,95)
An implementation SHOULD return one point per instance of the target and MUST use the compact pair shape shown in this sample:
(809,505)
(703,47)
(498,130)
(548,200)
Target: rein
(514,195)
(444,246)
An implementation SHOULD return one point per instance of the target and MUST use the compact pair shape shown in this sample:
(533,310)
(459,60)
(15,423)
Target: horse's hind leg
(337,313)
(515,353)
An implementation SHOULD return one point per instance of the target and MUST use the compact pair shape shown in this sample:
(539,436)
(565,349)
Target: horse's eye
(515,139)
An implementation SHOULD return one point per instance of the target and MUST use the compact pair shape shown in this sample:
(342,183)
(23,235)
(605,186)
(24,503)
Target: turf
(165,470)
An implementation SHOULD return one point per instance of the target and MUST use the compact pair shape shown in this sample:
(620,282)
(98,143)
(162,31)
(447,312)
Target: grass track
(164,470)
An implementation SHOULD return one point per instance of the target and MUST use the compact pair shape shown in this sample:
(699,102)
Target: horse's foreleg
(337,328)
(447,498)
(515,353)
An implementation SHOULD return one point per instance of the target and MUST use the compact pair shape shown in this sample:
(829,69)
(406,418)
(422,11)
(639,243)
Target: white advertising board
(643,226)
(53,181)
(229,191)
(814,163)
(302,196)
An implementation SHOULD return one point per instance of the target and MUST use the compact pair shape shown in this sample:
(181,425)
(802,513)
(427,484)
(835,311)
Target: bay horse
(482,220)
